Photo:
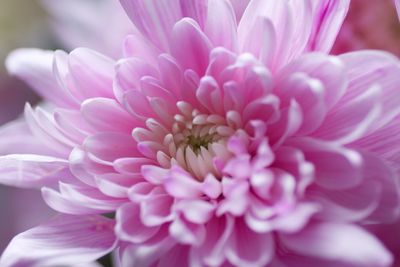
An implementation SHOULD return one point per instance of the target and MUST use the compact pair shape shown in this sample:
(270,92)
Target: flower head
(225,136)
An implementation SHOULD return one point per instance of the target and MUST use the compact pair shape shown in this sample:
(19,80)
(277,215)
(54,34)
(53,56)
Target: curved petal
(35,67)
(129,226)
(63,240)
(258,251)
(190,46)
(344,243)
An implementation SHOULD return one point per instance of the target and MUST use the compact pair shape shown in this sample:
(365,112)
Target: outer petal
(63,240)
(377,71)
(344,243)
(154,18)
(328,18)
(35,67)
(397,3)
(16,137)
(31,170)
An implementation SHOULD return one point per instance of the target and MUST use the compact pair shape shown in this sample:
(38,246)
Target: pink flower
(225,136)
(370,26)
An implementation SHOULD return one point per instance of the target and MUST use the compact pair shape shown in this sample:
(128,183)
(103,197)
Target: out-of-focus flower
(225,135)
(371,24)
(98,24)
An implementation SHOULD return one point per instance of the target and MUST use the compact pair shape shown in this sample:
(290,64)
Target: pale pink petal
(63,240)
(382,70)
(108,147)
(35,67)
(344,174)
(15,137)
(344,243)
(221,25)
(32,171)
(92,72)
(154,19)
(106,115)
(190,46)
(129,226)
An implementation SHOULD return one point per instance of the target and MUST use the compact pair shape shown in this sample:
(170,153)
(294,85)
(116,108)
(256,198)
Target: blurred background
(22,24)
(101,25)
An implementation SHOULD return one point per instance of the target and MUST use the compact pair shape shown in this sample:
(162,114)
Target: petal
(35,67)
(258,251)
(108,147)
(154,18)
(190,46)
(345,243)
(221,25)
(212,251)
(92,73)
(16,137)
(345,173)
(106,115)
(368,68)
(29,171)
(129,226)
(328,18)
(352,120)
(63,240)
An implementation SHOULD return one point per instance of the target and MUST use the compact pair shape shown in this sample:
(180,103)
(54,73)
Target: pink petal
(190,46)
(258,251)
(181,184)
(212,251)
(154,19)
(365,110)
(110,146)
(35,67)
(374,68)
(29,171)
(345,173)
(63,240)
(92,72)
(106,115)
(129,226)
(328,19)
(129,71)
(15,137)
(186,232)
(221,25)
(345,243)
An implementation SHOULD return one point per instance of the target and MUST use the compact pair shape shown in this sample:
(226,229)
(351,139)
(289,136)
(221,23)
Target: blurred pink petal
(72,240)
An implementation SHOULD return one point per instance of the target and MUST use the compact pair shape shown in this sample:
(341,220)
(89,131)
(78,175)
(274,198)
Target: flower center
(196,142)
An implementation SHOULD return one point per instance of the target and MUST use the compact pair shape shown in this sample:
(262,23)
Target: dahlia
(225,136)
